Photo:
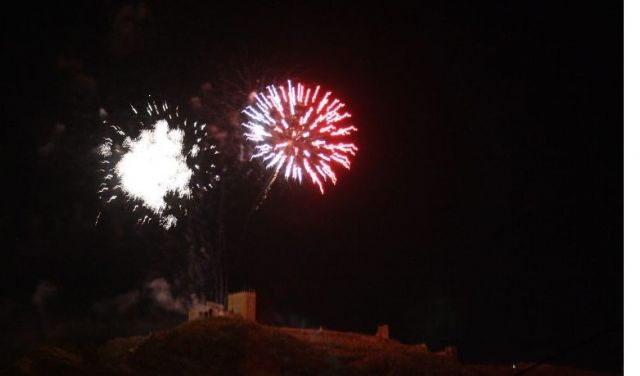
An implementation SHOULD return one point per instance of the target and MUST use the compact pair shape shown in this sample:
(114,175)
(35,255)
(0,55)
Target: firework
(158,169)
(300,131)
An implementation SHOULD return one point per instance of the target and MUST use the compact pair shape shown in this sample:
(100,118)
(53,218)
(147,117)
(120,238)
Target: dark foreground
(225,346)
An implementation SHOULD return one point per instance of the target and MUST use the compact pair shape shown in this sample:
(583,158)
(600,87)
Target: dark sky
(484,208)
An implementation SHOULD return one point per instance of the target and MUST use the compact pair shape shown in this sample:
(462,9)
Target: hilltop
(232,346)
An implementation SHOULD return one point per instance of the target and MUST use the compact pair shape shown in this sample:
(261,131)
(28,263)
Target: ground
(232,346)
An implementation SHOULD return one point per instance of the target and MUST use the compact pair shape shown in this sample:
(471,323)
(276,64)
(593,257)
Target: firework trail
(299,131)
(157,170)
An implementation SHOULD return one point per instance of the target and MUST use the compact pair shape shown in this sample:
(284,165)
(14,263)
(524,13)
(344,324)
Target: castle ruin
(242,304)
(206,310)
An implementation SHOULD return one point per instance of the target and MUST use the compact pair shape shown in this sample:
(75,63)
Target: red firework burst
(301,130)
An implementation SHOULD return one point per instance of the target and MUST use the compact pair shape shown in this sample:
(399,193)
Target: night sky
(483,210)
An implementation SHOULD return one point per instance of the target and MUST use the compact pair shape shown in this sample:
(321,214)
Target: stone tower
(383,331)
(243,303)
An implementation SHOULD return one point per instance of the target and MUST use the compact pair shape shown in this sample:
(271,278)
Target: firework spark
(159,164)
(300,130)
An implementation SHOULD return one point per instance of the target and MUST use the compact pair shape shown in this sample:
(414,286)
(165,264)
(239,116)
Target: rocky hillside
(226,346)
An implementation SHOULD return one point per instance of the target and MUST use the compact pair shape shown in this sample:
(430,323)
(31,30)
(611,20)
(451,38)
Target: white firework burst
(157,170)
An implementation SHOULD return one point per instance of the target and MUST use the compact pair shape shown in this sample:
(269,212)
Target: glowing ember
(301,131)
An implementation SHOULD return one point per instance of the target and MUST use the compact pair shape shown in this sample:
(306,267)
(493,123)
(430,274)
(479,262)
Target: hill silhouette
(232,346)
